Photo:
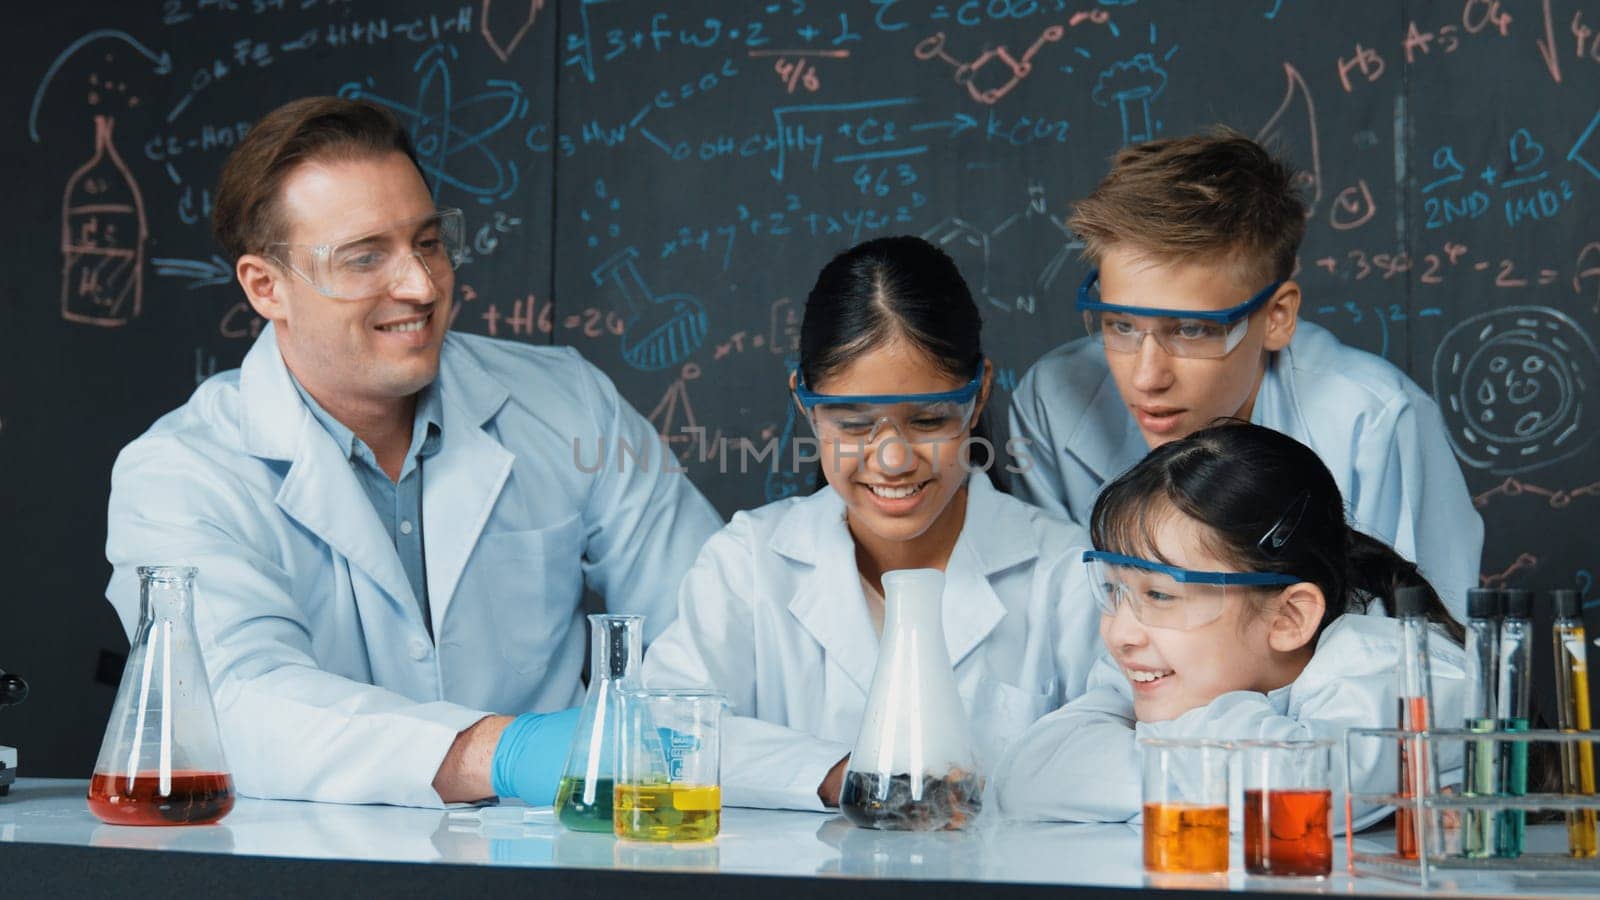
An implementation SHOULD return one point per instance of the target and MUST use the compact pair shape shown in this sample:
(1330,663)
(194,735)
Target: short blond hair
(1217,197)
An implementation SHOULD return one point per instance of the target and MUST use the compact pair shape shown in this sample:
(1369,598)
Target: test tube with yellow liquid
(1572,713)
(669,780)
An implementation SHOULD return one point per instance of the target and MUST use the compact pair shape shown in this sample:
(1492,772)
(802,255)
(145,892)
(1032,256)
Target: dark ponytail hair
(894,287)
(1268,504)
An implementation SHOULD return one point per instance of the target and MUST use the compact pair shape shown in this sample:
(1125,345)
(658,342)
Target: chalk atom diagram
(450,134)
(1511,383)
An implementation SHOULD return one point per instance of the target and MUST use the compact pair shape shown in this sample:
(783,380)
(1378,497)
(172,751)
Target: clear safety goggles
(1163,596)
(369,264)
(1187,333)
(916,418)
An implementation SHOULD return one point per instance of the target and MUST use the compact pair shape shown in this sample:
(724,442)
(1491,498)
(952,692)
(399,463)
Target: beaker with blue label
(669,780)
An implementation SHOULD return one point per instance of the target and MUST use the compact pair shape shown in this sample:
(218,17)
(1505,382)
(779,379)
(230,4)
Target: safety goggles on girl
(365,265)
(1163,596)
(916,418)
(1187,333)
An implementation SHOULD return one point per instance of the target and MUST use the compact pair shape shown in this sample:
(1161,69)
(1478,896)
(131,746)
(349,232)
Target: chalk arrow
(163,66)
(961,122)
(201,272)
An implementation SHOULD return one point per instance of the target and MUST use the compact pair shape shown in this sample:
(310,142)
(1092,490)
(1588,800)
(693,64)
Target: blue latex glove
(528,760)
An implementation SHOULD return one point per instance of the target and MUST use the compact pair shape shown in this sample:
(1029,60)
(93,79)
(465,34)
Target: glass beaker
(913,767)
(583,798)
(161,760)
(669,780)
(1185,805)
(1288,806)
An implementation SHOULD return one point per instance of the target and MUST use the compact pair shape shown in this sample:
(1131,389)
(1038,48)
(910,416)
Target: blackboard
(657,183)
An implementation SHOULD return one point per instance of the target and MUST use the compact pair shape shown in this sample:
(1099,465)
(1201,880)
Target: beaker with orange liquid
(1185,805)
(1287,808)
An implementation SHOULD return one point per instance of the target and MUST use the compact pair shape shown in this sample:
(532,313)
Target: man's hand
(463,775)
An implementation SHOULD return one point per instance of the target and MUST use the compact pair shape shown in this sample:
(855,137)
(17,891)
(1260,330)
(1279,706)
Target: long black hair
(894,287)
(1268,504)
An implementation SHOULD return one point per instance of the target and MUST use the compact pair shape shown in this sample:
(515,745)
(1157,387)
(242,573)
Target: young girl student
(1279,650)
(783,609)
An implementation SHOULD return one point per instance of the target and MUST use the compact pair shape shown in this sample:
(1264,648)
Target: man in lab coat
(393,524)
(1193,315)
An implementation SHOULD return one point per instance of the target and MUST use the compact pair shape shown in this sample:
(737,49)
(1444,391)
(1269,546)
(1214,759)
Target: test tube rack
(1439,815)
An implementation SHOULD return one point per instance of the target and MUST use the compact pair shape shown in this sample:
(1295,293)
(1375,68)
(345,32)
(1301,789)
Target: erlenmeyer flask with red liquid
(161,760)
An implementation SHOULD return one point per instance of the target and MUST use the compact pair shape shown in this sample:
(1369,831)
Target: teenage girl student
(783,609)
(1278,649)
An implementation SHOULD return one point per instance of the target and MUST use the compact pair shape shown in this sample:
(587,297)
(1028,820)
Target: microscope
(13,690)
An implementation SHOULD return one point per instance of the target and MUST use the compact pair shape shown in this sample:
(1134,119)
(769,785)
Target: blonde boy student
(1192,315)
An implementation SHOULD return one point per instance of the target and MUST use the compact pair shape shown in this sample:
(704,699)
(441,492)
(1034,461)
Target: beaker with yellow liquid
(669,782)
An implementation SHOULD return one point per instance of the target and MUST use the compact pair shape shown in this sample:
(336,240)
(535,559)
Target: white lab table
(50,845)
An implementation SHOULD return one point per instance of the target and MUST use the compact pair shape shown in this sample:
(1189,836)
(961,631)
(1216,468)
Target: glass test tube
(1512,698)
(1185,805)
(1419,773)
(1484,609)
(1572,713)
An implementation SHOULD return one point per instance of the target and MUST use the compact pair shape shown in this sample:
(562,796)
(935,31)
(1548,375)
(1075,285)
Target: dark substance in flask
(871,801)
(195,798)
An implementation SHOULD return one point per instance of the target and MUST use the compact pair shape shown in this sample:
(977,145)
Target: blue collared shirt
(398,504)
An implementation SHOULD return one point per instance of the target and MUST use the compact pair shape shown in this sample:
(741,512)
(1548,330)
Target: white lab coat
(1380,435)
(1082,763)
(326,683)
(773,614)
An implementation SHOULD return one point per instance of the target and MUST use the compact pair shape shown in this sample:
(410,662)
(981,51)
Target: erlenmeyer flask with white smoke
(915,765)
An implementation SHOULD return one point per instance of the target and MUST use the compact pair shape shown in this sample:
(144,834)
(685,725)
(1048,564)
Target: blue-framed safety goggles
(1203,334)
(1163,596)
(918,418)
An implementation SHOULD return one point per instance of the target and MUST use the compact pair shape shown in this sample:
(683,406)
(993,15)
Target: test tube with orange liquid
(1185,805)
(1287,808)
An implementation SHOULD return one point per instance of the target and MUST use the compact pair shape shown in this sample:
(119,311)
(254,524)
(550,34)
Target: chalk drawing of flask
(660,331)
(103,232)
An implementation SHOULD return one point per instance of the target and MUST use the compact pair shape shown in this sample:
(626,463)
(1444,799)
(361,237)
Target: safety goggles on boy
(917,418)
(1163,596)
(369,264)
(1188,333)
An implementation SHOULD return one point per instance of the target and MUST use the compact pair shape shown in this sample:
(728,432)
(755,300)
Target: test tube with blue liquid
(1512,699)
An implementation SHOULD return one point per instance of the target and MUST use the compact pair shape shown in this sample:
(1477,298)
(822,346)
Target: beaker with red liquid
(1288,804)
(161,760)
(1185,805)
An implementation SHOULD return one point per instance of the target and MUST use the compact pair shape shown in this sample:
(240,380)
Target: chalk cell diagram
(661,330)
(452,135)
(979,251)
(1134,84)
(1511,384)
